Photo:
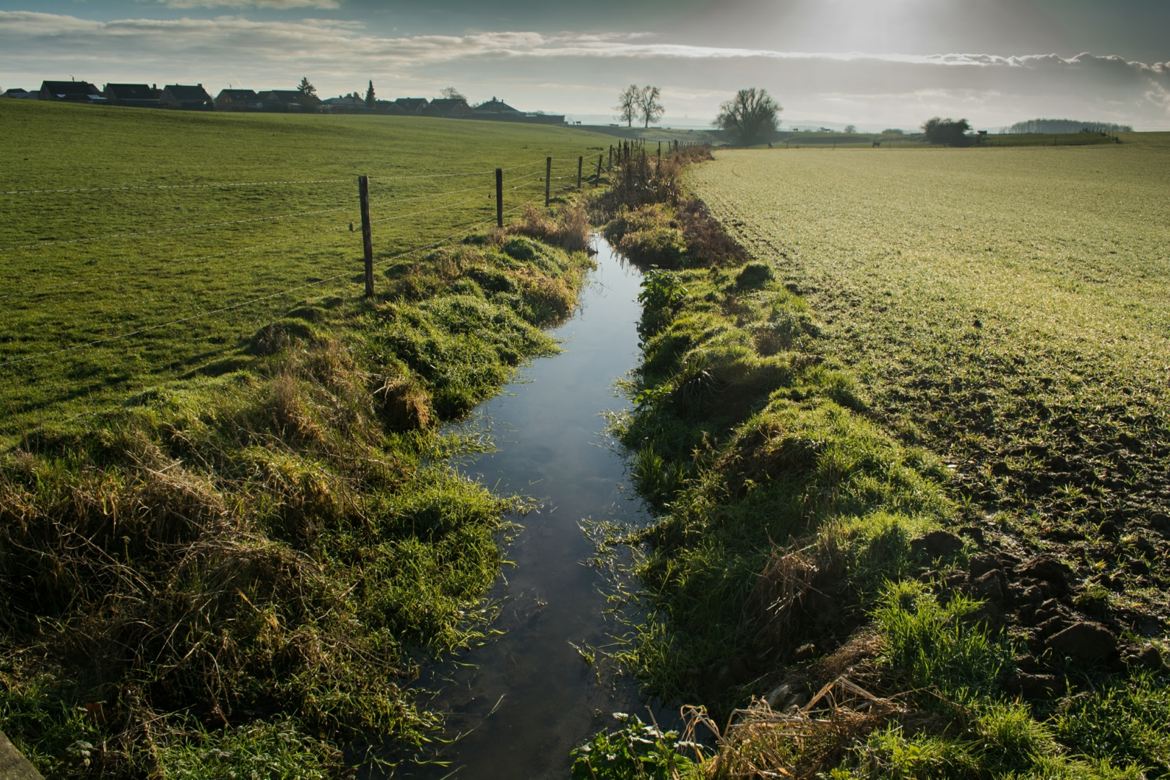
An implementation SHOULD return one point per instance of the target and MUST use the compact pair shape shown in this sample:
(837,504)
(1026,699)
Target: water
(530,697)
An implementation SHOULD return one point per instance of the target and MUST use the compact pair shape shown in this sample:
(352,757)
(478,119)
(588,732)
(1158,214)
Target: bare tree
(850,129)
(452,94)
(648,105)
(751,117)
(627,106)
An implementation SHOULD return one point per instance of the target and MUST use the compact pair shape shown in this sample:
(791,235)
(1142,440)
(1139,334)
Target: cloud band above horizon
(578,71)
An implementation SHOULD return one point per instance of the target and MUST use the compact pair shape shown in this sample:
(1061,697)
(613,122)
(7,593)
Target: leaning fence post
(547,180)
(367,240)
(597,181)
(580,162)
(499,197)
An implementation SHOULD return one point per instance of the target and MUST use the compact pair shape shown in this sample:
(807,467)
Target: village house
(408,105)
(71,91)
(135,95)
(345,104)
(237,100)
(448,107)
(186,97)
(496,109)
(282,100)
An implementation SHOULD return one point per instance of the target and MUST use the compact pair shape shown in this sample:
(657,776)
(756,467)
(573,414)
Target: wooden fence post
(580,162)
(499,197)
(547,180)
(367,239)
(597,181)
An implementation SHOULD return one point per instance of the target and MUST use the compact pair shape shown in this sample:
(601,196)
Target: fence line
(182,262)
(192,228)
(49,242)
(459,231)
(345,227)
(230,185)
(154,187)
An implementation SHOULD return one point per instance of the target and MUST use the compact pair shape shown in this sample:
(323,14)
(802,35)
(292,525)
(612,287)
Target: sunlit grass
(146,231)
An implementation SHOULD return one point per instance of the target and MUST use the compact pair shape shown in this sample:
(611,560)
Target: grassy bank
(234,562)
(250,567)
(819,581)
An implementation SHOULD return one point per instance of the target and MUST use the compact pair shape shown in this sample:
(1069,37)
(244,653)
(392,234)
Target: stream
(522,701)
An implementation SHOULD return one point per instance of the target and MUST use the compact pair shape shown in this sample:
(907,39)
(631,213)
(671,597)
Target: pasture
(139,246)
(1007,308)
(229,534)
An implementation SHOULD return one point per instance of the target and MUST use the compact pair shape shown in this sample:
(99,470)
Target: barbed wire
(488,189)
(459,232)
(155,187)
(172,262)
(224,223)
(141,187)
(49,242)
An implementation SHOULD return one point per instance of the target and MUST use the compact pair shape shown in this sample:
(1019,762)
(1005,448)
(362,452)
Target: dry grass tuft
(800,742)
(403,404)
(568,228)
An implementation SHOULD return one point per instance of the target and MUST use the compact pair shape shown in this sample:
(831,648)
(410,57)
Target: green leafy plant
(636,751)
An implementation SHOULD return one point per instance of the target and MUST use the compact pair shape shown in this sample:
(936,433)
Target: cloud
(995,89)
(279,5)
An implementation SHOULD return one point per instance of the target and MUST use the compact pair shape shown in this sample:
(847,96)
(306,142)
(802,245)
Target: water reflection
(530,696)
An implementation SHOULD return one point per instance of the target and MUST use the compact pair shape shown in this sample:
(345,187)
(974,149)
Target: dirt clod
(1048,570)
(937,544)
(1083,642)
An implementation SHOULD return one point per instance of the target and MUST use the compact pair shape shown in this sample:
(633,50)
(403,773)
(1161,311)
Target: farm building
(347,104)
(19,94)
(71,91)
(447,107)
(500,111)
(186,97)
(237,100)
(287,100)
(137,95)
(496,109)
(409,105)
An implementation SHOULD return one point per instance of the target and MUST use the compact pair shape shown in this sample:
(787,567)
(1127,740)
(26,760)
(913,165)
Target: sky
(871,63)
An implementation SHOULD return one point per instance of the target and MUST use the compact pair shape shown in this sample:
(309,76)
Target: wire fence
(61,272)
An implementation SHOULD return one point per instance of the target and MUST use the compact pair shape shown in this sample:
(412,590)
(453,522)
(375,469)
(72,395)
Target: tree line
(1067,126)
(751,117)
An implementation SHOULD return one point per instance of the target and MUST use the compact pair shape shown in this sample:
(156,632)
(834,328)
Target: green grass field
(1008,308)
(229,531)
(137,246)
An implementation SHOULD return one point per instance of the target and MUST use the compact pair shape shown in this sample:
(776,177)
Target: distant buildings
(237,100)
(186,97)
(287,100)
(408,105)
(71,92)
(195,98)
(451,107)
(496,109)
(136,95)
